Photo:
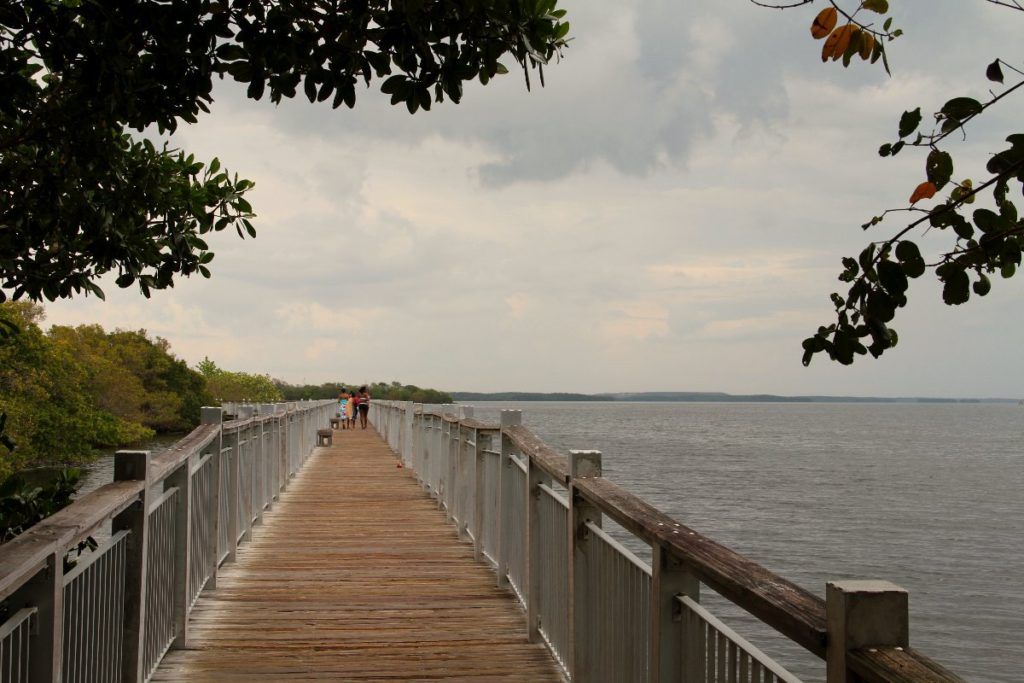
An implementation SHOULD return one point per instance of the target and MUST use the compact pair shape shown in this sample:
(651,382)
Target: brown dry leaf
(843,36)
(925,190)
(867,45)
(824,23)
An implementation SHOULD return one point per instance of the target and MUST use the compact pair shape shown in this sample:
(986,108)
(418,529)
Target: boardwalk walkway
(354,576)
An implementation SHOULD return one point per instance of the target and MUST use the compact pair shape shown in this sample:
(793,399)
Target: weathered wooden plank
(544,456)
(788,608)
(474,423)
(898,665)
(355,576)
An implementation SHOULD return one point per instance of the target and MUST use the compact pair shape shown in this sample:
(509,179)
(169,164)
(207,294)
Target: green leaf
(994,72)
(956,287)
(983,285)
(880,6)
(939,168)
(958,109)
(892,277)
(910,258)
(909,122)
(988,221)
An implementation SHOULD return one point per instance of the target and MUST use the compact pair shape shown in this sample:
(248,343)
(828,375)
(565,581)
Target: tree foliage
(975,210)
(69,391)
(80,196)
(225,385)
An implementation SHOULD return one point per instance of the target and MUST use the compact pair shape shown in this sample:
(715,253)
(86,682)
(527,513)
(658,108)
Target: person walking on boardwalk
(364,405)
(343,409)
(350,410)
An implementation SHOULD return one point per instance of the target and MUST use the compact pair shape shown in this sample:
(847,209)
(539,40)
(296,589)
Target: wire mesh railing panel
(713,652)
(160,565)
(201,534)
(618,609)
(16,636)
(93,631)
(514,531)
(553,566)
(491,520)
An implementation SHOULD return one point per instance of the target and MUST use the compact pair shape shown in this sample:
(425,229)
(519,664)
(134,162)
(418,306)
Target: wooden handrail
(793,611)
(544,456)
(477,424)
(25,554)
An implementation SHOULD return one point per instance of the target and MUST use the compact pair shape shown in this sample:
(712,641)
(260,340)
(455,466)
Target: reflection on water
(930,497)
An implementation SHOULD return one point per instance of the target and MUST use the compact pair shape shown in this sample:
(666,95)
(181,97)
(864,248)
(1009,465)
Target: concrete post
(860,614)
(582,464)
(134,466)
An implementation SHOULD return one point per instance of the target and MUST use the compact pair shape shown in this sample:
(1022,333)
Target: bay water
(928,496)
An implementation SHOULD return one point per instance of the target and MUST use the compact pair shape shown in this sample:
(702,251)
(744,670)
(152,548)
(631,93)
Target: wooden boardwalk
(355,576)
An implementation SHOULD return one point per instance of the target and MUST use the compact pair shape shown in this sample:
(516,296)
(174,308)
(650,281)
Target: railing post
(861,614)
(280,447)
(450,455)
(534,478)
(211,416)
(582,464)
(232,470)
(669,579)
(45,591)
(509,418)
(181,479)
(134,466)
(478,494)
(409,445)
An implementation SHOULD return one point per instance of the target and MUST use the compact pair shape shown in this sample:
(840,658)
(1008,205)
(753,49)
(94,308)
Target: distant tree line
(392,391)
(68,391)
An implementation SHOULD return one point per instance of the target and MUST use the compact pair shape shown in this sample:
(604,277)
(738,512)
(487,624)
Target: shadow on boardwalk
(354,576)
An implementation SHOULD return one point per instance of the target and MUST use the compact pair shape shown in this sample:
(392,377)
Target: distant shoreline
(705,397)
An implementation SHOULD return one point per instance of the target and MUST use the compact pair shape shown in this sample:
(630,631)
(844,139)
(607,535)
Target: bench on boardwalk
(324,437)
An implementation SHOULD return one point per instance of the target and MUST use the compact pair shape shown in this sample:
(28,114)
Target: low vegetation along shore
(68,393)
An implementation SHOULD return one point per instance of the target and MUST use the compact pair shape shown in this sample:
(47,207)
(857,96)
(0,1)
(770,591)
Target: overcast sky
(667,214)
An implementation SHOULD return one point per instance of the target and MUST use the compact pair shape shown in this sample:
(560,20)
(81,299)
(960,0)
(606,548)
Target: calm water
(930,497)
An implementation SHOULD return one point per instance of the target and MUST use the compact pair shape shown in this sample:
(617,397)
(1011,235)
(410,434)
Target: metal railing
(537,517)
(174,518)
